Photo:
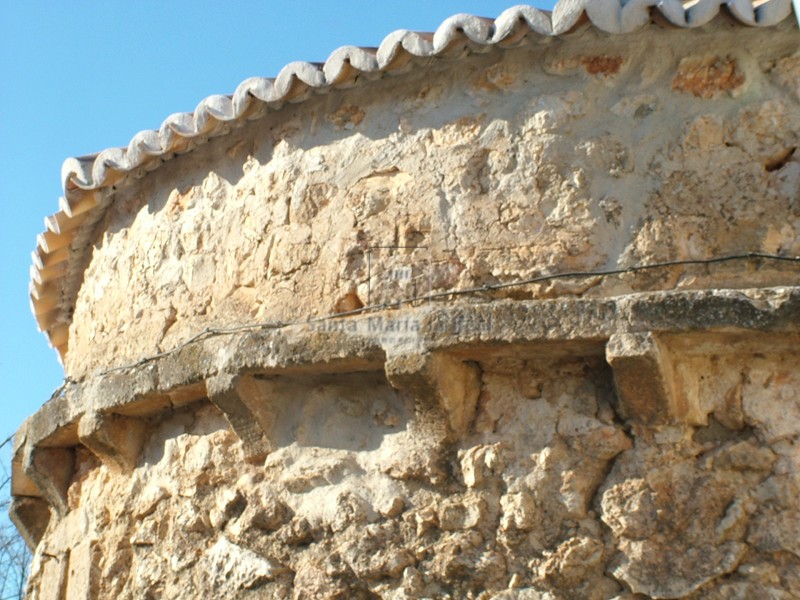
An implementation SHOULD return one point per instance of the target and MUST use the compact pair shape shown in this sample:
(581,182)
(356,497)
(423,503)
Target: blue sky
(78,77)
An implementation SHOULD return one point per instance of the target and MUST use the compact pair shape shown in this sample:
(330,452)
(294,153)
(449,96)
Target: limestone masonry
(507,311)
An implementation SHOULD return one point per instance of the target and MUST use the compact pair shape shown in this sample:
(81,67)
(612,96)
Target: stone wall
(550,489)
(627,436)
(582,153)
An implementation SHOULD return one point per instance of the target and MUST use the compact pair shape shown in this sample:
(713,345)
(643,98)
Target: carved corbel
(439,382)
(50,469)
(644,377)
(246,408)
(31,517)
(116,440)
(21,484)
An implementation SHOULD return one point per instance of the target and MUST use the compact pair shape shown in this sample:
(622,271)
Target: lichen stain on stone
(346,117)
(706,76)
(499,76)
(602,64)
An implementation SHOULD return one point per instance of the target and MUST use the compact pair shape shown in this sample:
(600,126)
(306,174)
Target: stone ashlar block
(53,577)
(83,581)
(644,379)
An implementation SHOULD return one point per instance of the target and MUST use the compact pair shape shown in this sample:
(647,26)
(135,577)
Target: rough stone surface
(632,436)
(504,166)
(550,493)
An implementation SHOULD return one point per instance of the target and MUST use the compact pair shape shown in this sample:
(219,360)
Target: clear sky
(79,77)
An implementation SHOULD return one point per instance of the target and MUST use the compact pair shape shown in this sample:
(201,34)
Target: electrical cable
(266,326)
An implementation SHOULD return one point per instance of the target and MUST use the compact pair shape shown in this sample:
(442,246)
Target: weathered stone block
(644,379)
(240,400)
(21,484)
(53,577)
(82,583)
(438,381)
(51,470)
(115,440)
(31,516)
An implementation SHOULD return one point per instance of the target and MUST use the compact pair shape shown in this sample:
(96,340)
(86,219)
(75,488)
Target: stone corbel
(31,516)
(50,469)
(246,408)
(438,381)
(116,440)
(29,512)
(21,484)
(645,379)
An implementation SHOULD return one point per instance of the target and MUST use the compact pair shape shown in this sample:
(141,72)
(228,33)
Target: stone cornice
(423,349)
